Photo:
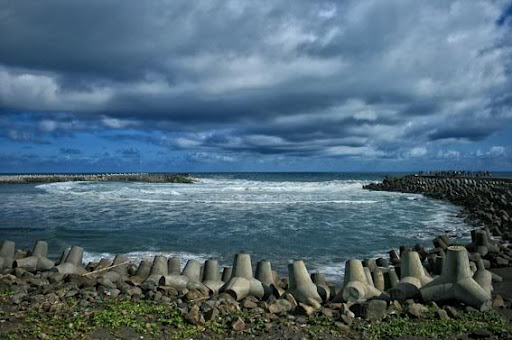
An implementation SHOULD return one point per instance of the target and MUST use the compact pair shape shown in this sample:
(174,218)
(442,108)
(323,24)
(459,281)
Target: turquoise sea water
(322,218)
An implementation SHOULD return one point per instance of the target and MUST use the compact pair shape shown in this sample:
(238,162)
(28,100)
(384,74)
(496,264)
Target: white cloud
(419,151)
(374,78)
(497,151)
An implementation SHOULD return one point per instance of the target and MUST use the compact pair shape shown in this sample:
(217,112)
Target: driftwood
(106,268)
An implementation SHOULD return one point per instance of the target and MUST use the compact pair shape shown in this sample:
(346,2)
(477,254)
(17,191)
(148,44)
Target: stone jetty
(451,284)
(486,201)
(112,177)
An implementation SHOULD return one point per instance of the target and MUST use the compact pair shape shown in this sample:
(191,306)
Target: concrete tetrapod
(394,257)
(174,266)
(142,272)
(193,270)
(378,279)
(265,275)
(482,276)
(264,272)
(237,287)
(119,271)
(72,264)
(122,262)
(174,278)
(176,281)
(390,278)
(227,272)
(211,276)
(323,289)
(301,286)
(38,260)
(104,263)
(413,277)
(7,254)
(355,284)
(63,256)
(456,282)
(242,268)
(483,240)
(368,274)
(158,269)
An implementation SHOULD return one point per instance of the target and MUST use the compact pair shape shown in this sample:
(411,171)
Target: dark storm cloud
(299,78)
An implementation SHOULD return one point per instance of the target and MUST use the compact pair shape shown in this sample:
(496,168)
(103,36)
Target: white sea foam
(218,191)
(233,207)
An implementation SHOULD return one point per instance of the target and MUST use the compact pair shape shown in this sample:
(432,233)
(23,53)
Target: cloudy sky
(278,85)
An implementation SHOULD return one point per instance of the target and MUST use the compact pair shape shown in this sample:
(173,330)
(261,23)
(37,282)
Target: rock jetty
(114,177)
(486,201)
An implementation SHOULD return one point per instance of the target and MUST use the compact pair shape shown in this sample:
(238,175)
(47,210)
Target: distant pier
(110,177)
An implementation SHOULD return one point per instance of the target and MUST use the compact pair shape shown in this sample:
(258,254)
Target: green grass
(320,325)
(433,327)
(152,320)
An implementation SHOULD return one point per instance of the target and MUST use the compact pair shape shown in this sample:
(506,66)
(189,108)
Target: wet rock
(157,296)
(194,294)
(280,306)
(38,281)
(18,272)
(194,316)
(102,281)
(347,318)
(416,310)
(289,297)
(238,325)
(502,262)
(134,291)
(71,293)
(452,312)
(148,286)
(341,326)
(469,309)
(36,299)
(211,314)
(112,292)
(303,309)
(442,314)
(18,298)
(375,310)
(248,304)
(326,311)
(52,298)
(81,281)
(498,302)
(358,308)
(395,305)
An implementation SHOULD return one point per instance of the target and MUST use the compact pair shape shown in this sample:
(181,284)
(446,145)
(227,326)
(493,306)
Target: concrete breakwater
(372,288)
(115,177)
(486,202)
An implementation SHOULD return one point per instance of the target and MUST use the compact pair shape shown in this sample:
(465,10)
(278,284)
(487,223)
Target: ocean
(324,219)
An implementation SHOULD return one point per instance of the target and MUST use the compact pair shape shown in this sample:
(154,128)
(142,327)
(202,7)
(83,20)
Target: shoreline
(283,303)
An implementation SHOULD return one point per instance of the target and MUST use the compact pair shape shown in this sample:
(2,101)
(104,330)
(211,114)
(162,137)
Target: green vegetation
(151,320)
(433,327)
(322,325)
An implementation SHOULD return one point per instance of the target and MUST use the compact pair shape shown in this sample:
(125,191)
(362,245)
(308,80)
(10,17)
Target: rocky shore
(447,291)
(117,177)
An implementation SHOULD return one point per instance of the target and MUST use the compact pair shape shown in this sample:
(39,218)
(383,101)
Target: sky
(268,85)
